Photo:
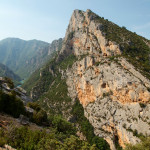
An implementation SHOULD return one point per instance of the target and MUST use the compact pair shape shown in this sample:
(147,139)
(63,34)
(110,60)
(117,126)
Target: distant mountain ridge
(6,72)
(24,57)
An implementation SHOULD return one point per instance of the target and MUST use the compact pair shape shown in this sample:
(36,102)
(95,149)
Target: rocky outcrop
(115,96)
(55,46)
(84,36)
(6,85)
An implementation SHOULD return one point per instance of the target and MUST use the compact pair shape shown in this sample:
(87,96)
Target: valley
(24,57)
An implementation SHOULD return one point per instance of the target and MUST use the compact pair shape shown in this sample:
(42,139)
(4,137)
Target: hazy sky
(48,19)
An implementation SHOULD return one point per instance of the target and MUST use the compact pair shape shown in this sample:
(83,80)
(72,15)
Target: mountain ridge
(24,57)
(6,72)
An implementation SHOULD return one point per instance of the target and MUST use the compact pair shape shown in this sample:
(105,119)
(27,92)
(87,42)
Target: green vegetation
(32,81)
(106,94)
(135,133)
(39,115)
(9,82)
(47,78)
(3,140)
(54,100)
(10,104)
(117,145)
(70,36)
(86,128)
(67,62)
(143,145)
(57,92)
(48,139)
(142,105)
(60,135)
(62,125)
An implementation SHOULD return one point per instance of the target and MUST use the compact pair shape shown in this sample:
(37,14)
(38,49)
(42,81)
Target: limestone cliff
(84,36)
(109,76)
(112,98)
(115,96)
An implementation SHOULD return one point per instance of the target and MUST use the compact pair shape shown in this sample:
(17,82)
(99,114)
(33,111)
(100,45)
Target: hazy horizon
(48,20)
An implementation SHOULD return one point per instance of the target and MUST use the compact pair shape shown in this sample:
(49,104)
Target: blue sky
(47,20)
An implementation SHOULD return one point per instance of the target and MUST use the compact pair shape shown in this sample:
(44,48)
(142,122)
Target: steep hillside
(24,57)
(100,78)
(54,48)
(6,72)
(29,127)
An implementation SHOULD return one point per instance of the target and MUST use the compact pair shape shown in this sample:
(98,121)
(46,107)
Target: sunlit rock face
(113,93)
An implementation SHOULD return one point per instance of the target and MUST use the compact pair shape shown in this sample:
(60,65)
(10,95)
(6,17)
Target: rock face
(84,36)
(112,99)
(55,46)
(114,94)
(6,85)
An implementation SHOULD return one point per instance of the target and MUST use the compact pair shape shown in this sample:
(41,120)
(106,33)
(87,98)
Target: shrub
(143,145)
(2,141)
(34,106)
(39,115)
(9,82)
(10,104)
(71,34)
(100,143)
(2,138)
(25,139)
(62,125)
(142,105)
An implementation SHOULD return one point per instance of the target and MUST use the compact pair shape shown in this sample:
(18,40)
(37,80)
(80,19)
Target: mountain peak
(85,36)
(88,33)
